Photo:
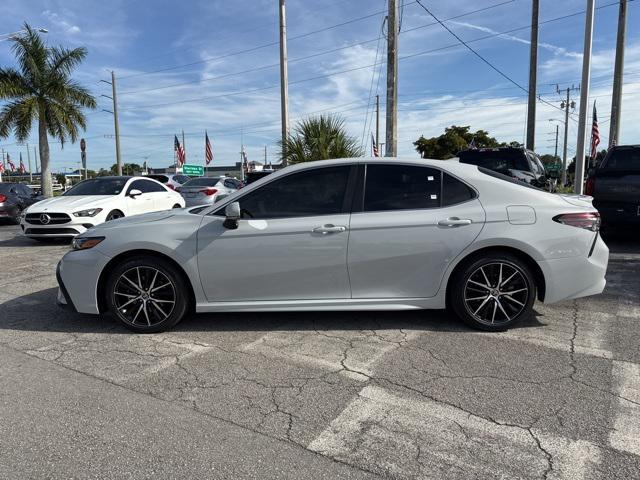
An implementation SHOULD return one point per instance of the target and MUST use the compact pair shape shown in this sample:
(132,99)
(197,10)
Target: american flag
(472,144)
(208,152)
(2,166)
(21,169)
(10,163)
(180,155)
(374,146)
(595,134)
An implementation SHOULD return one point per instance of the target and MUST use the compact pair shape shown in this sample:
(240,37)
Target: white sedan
(352,234)
(95,201)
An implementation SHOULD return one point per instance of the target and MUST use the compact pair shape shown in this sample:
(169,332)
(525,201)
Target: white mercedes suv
(95,201)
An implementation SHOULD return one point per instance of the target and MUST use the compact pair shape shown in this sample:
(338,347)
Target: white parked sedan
(352,234)
(95,201)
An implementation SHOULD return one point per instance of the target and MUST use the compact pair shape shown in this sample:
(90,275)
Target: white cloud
(61,23)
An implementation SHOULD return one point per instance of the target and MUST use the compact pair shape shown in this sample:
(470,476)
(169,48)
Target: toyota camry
(350,234)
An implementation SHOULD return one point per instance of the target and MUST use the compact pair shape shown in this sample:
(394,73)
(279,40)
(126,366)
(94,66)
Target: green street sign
(193,170)
(554,167)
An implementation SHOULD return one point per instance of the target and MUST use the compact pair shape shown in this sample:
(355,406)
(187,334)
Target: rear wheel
(176,206)
(147,294)
(493,292)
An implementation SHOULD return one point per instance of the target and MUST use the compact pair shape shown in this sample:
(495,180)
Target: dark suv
(519,163)
(615,186)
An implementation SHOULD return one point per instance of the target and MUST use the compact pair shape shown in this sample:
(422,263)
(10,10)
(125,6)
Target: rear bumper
(576,277)
(8,211)
(197,201)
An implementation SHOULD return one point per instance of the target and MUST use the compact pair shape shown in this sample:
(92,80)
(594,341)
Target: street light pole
(284,81)
(616,99)
(392,80)
(533,70)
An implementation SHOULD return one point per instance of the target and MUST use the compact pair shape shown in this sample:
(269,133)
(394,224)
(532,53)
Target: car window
(401,187)
(320,191)
(623,159)
(145,186)
(230,183)
(454,191)
(496,159)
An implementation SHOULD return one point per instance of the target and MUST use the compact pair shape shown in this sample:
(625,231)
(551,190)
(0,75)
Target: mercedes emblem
(45,219)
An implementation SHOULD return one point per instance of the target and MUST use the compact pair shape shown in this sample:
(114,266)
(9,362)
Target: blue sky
(178,62)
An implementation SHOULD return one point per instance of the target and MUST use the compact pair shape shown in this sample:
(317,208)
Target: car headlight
(90,212)
(84,243)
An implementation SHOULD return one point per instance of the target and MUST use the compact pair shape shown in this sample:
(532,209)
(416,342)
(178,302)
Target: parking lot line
(425,439)
(626,429)
(352,353)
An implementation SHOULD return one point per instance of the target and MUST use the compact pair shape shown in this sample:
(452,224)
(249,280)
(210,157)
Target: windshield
(202,182)
(98,186)
(623,159)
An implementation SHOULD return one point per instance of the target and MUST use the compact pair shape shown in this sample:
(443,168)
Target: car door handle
(454,222)
(326,229)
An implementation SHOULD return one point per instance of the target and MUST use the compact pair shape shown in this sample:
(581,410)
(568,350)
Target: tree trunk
(45,169)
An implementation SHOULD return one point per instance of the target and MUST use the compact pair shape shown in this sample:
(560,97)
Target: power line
(306,57)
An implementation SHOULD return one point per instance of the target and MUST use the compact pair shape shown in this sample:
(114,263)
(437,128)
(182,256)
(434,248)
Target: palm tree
(319,138)
(42,89)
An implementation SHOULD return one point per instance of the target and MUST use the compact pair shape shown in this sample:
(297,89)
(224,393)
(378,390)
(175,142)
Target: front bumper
(63,300)
(78,273)
(576,277)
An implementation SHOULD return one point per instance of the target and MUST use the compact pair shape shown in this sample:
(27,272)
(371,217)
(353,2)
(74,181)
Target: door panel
(140,204)
(404,254)
(274,259)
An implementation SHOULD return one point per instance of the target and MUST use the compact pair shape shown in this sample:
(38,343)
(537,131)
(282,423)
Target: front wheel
(147,294)
(114,215)
(493,292)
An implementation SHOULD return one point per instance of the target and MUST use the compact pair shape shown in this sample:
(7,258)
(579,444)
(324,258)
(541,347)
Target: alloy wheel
(495,293)
(144,296)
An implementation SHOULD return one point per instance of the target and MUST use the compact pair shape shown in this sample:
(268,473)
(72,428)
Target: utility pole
(533,70)
(35,157)
(378,124)
(616,99)
(116,125)
(584,98)
(555,155)
(565,105)
(29,162)
(392,80)
(265,155)
(284,81)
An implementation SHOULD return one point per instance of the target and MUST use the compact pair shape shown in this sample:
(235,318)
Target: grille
(51,231)
(54,218)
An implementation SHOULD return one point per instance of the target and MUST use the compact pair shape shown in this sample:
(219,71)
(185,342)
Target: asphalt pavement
(317,395)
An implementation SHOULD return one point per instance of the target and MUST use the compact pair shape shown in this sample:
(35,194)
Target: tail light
(171,186)
(587,220)
(3,198)
(209,191)
(590,187)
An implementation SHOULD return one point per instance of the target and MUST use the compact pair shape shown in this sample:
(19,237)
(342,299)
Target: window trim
(346,203)
(442,173)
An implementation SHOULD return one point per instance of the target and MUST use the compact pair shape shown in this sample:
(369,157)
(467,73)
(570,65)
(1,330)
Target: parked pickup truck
(615,186)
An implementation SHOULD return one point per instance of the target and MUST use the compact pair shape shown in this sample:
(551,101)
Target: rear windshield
(506,178)
(160,178)
(202,182)
(498,160)
(6,187)
(623,159)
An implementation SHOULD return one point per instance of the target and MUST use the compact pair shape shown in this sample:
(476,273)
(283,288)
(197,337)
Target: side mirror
(135,193)
(232,214)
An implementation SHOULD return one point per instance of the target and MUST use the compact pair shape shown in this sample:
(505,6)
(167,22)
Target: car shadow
(37,312)
(623,240)
(22,241)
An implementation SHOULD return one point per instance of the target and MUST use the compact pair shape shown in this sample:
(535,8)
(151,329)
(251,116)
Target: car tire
(493,292)
(176,206)
(114,215)
(147,294)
